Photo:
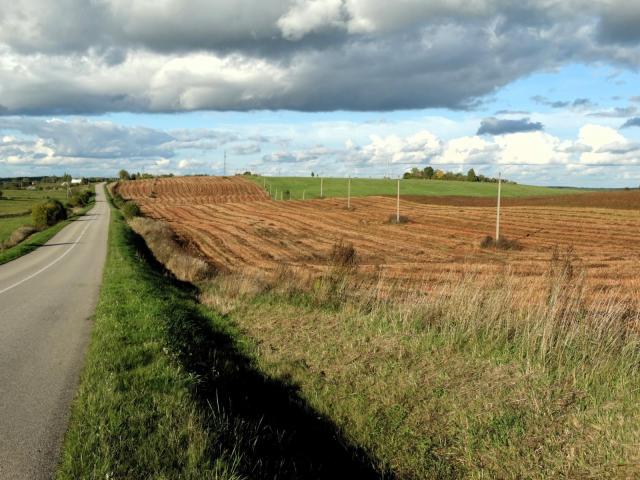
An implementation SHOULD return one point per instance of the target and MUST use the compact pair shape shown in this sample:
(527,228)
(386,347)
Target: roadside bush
(130,210)
(48,213)
(80,199)
(17,236)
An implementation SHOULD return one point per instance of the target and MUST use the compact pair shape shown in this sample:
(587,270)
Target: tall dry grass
(467,381)
(176,255)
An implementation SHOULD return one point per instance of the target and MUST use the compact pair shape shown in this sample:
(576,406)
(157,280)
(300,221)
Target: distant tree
(471,175)
(406,175)
(313,174)
(124,175)
(439,174)
(428,172)
(66,177)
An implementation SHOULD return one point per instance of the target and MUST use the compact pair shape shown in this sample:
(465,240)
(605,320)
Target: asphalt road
(47,299)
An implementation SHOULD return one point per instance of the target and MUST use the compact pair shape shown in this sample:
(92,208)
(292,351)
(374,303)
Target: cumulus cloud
(104,145)
(79,57)
(501,126)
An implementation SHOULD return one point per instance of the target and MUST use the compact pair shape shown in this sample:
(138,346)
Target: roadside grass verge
(168,392)
(469,382)
(40,238)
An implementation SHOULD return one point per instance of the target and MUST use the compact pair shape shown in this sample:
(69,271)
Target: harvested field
(615,199)
(190,190)
(233,224)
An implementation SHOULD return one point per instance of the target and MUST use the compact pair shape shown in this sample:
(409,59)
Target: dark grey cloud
(619,24)
(632,122)
(79,57)
(499,126)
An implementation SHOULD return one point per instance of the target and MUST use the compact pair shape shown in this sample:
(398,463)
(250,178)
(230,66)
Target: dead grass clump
(394,219)
(503,243)
(167,247)
(343,255)
(18,236)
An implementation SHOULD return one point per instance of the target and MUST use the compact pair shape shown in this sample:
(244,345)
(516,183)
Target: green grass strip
(134,415)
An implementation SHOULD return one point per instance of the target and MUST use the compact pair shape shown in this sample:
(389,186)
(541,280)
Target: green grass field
(14,201)
(8,225)
(360,187)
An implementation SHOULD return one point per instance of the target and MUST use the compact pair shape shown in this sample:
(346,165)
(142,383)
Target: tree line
(429,173)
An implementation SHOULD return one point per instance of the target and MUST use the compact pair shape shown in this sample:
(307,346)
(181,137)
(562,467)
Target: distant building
(76,181)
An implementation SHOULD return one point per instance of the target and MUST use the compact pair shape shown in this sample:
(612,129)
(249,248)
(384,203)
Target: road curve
(46,300)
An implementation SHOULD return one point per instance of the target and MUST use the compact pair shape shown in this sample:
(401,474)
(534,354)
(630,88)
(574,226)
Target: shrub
(130,210)
(343,255)
(80,199)
(503,243)
(393,218)
(48,213)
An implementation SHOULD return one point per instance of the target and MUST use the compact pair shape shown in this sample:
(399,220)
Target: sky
(546,92)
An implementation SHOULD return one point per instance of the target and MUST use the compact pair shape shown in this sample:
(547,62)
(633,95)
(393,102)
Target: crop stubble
(234,223)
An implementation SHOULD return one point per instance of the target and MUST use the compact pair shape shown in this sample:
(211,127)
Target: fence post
(398,204)
(321,186)
(498,211)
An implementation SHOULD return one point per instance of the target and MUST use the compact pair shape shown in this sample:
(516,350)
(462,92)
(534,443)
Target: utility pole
(398,204)
(498,212)
(349,194)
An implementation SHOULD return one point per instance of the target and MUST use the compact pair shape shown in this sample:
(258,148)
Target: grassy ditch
(461,384)
(168,391)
